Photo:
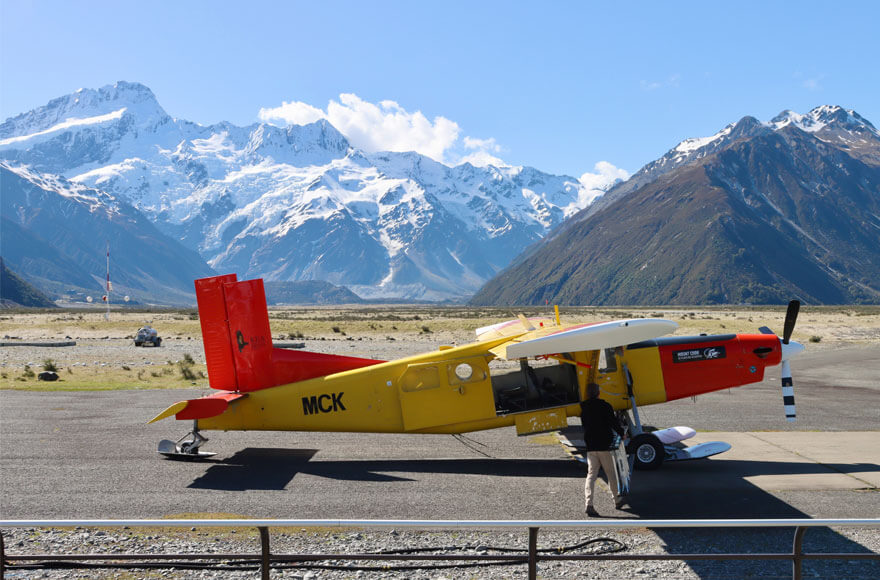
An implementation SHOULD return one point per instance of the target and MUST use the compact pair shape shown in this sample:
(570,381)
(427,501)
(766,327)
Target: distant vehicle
(147,335)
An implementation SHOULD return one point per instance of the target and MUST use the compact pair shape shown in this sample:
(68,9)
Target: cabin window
(470,370)
(607,361)
(464,371)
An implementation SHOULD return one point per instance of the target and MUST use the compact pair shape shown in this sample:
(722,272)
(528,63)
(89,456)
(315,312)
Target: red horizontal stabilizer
(290,366)
(209,406)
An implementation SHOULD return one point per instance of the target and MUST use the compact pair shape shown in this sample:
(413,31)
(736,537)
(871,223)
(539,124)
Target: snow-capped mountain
(296,203)
(55,233)
(759,213)
(841,128)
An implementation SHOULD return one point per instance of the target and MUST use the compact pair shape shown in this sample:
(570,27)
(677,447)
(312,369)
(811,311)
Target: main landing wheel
(647,451)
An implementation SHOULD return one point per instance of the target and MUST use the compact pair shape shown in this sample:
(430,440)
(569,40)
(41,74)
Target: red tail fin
(249,334)
(238,340)
(215,331)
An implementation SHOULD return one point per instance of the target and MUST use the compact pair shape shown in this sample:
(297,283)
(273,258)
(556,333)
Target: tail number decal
(323,404)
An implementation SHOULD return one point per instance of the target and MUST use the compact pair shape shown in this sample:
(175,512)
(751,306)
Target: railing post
(264,547)
(797,553)
(533,553)
(2,557)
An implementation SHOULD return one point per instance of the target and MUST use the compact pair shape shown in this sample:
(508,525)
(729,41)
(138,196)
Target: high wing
(594,336)
(515,328)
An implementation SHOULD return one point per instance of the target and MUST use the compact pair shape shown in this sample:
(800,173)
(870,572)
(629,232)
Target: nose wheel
(647,450)
(187,447)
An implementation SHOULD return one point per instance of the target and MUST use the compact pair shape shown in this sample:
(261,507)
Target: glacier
(297,202)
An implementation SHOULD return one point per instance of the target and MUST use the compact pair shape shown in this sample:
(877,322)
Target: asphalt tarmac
(92,455)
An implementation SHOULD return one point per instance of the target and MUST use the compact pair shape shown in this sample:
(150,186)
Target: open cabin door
(446,392)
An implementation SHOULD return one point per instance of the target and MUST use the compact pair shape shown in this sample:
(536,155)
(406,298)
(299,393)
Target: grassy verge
(98,378)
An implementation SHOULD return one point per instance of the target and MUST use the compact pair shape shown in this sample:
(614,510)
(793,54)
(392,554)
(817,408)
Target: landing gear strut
(645,450)
(187,447)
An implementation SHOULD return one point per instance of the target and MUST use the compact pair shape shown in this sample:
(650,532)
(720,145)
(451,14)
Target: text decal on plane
(695,354)
(323,403)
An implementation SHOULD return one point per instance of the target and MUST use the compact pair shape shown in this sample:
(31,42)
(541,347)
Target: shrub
(186,370)
(49,365)
(815,338)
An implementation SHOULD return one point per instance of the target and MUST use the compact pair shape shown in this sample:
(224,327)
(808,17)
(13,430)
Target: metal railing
(265,558)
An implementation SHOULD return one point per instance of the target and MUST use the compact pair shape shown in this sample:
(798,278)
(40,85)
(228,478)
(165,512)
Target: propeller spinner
(789,349)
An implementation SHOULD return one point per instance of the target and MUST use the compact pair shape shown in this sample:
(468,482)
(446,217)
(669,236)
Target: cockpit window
(607,361)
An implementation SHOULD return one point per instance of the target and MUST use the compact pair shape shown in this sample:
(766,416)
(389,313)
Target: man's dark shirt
(597,417)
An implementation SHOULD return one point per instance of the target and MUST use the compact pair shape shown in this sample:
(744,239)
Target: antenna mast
(109,286)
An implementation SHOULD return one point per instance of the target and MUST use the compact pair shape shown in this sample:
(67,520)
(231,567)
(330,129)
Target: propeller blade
(788,392)
(790,318)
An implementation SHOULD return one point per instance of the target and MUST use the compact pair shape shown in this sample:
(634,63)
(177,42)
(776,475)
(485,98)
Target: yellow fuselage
(444,391)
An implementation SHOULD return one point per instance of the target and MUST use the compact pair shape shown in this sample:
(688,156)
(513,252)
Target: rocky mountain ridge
(759,213)
(55,233)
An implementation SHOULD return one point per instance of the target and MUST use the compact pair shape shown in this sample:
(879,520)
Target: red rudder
(215,331)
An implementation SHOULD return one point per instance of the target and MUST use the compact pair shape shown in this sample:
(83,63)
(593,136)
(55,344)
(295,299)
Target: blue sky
(560,86)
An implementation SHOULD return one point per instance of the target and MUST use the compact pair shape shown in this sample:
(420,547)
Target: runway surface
(92,455)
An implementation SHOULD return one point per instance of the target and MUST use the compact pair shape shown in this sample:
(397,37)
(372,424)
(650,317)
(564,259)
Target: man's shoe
(591,511)
(618,503)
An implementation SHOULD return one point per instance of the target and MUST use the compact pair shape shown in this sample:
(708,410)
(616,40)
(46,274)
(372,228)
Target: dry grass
(834,324)
(105,357)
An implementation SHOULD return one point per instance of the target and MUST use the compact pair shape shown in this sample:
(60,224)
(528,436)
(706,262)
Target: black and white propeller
(789,349)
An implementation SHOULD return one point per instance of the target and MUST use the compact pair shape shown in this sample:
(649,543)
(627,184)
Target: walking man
(600,424)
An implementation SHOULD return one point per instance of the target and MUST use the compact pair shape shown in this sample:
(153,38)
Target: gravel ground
(146,541)
(121,351)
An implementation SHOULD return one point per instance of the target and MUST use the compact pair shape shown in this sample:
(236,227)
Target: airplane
(538,377)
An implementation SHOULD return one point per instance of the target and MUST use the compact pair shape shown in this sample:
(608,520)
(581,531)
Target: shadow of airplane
(274,469)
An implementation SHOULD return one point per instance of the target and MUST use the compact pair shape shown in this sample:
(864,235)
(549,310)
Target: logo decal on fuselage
(323,403)
(697,354)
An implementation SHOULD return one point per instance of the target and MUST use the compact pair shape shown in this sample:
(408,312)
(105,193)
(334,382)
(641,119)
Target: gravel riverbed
(492,542)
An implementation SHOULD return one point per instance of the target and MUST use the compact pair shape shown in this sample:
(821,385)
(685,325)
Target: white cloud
(481,159)
(597,183)
(482,144)
(294,112)
(385,126)
(813,84)
(672,81)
